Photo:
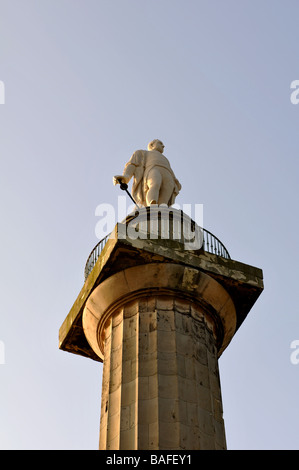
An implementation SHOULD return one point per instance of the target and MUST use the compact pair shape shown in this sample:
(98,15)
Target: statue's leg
(167,186)
(154,180)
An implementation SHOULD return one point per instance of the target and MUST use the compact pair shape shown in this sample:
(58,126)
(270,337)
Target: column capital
(243,283)
(158,279)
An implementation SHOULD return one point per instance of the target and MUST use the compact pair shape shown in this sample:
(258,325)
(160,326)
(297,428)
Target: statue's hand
(117,179)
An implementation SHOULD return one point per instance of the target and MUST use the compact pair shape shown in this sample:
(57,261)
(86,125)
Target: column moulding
(159,279)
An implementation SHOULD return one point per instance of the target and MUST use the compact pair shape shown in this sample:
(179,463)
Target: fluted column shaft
(159,330)
(161,385)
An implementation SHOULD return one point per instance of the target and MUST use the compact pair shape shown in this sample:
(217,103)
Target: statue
(154,181)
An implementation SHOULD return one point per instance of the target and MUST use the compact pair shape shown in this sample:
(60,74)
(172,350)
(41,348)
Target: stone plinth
(159,317)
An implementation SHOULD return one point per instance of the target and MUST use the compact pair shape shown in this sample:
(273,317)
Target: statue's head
(156,144)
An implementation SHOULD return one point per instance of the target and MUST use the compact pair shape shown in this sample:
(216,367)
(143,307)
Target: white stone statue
(154,181)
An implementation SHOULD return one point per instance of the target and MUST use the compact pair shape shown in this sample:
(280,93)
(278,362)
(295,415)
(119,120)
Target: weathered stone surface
(162,279)
(159,317)
(243,283)
(160,397)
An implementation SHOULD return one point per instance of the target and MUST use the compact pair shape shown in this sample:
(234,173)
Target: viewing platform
(185,229)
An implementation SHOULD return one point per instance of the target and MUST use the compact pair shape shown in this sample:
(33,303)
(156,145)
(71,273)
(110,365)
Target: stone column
(159,329)
(159,315)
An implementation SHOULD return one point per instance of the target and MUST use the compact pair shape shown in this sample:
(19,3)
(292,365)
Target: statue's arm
(129,170)
(125,177)
(178,186)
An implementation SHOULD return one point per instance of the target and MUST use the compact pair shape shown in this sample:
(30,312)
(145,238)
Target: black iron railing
(211,244)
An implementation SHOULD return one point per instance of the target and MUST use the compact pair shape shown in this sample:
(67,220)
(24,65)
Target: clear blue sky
(86,84)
